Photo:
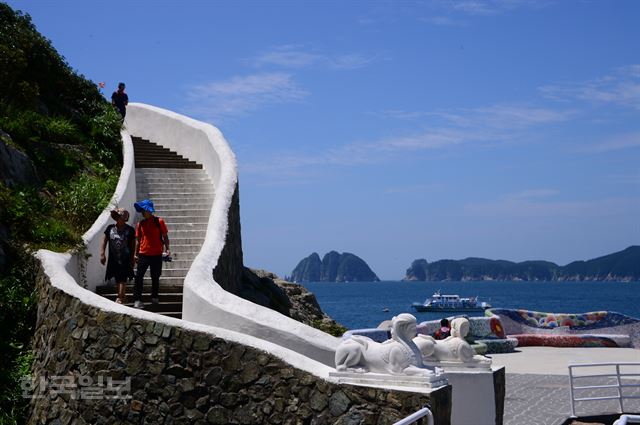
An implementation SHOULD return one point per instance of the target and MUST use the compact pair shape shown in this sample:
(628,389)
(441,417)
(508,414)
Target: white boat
(440,302)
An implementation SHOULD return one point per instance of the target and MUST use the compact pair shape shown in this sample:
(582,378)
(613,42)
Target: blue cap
(145,205)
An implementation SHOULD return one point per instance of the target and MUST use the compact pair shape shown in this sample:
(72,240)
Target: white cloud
(615,143)
(622,87)
(292,56)
(531,208)
(443,21)
(491,7)
(414,188)
(287,56)
(497,123)
(241,94)
(506,116)
(488,117)
(625,178)
(530,194)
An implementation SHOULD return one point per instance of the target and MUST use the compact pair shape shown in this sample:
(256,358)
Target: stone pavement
(537,383)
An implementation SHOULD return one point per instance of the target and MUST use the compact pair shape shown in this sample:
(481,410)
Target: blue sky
(395,130)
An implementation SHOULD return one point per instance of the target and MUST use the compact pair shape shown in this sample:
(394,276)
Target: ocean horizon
(359,305)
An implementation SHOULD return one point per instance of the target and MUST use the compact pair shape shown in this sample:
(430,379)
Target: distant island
(334,267)
(619,266)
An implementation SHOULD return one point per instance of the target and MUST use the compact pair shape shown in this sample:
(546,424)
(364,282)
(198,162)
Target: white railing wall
(613,382)
(65,269)
(414,417)
(205,301)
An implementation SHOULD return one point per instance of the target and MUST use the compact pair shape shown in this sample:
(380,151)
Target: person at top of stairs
(121,240)
(151,240)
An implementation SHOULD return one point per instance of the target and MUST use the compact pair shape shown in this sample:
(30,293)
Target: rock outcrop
(334,267)
(619,266)
(291,299)
(15,167)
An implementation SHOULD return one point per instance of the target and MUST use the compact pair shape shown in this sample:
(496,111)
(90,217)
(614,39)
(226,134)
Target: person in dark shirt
(120,100)
(121,240)
(444,331)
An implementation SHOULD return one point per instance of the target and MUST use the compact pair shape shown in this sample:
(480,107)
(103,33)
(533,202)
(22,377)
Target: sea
(358,305)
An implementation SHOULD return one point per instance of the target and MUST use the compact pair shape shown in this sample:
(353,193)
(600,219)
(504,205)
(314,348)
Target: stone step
(165,288)
(164,172)
(155,155)
(201,197)
(190,207)
(189,233)
(188,185)
(164,280)
(175,227)
(190,219)
(183,255)
(160,193)
(180,261)
(188,179)
(168,212)
(184,248)
(141,148)
(154,150)
(166,164)
(160,308)
(171,272)
(159,189)
(146,297)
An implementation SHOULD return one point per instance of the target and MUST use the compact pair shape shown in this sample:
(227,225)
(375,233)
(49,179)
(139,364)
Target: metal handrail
(417,415)
(618,385)
(627,419)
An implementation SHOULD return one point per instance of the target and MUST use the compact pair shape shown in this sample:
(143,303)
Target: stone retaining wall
(180,376)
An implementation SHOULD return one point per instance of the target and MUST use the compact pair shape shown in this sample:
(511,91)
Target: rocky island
(334,267)
(619,266)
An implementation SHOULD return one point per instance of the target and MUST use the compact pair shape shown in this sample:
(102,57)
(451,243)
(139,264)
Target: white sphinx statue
(452,352)
(397,356)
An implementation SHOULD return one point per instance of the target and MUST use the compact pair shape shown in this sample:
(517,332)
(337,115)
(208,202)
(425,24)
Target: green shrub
(83,199)
(17,308)
(106,143)
(53,234)
(61,130)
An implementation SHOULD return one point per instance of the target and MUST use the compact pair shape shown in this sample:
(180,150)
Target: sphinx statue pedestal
(477,396)
(385,380)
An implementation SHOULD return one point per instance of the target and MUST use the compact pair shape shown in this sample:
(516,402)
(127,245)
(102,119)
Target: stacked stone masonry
(180,376)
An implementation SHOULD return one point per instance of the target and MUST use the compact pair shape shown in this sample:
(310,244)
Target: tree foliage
(71,134)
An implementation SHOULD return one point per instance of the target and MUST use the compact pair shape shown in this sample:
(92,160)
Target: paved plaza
(537,383)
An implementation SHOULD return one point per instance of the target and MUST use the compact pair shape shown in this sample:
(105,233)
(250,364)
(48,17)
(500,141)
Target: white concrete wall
(62,269)
(204,300)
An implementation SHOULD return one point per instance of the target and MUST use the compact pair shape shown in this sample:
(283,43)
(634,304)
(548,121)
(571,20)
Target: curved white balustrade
(204,301)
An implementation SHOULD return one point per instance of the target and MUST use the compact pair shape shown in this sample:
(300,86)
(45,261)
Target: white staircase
(182,195)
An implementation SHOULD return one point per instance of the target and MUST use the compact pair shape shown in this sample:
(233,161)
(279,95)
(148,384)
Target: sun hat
(145,205)
(120,213)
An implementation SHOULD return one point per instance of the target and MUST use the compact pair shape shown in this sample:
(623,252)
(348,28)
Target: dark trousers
(144,262)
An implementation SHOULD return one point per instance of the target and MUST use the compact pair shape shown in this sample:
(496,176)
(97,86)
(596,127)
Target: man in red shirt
(151,241)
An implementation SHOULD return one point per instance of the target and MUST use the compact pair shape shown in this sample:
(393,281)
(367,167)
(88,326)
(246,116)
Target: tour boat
(439,302)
